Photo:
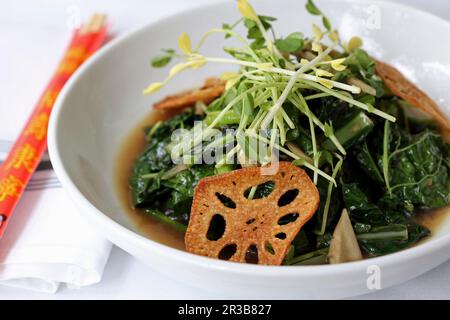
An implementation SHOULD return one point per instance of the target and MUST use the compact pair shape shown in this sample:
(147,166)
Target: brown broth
(131,148)
(135,143)
(433,219)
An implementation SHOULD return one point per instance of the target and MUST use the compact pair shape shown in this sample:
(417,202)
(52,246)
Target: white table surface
(125,277)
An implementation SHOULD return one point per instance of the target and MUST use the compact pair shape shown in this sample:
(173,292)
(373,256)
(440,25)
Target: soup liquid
(132,147)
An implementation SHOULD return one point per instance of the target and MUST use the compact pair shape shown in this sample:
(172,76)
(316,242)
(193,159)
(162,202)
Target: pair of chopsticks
(27,151)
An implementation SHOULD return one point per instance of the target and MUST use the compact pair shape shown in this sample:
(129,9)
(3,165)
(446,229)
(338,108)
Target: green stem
(386,233)
(231,33)
(149,175)
(326,208)
(166,220)
(310,258)
(351,101)
(385,158)
(290,85)
(303,107)
(294,156)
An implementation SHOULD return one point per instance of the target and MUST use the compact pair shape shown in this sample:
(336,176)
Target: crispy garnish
(212,89)
(225,224)
(405,89)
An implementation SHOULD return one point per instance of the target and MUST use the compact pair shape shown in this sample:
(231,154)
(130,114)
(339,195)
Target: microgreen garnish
(291,44)
(164,59)
(269,76)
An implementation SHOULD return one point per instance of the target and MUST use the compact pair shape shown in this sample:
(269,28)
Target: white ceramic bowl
(102,102)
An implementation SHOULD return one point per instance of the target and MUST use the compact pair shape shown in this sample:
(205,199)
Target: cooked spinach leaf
(389,239)
(416,168)
(367,163)
(145,180)
(361,209)
(177,222)
(182,187)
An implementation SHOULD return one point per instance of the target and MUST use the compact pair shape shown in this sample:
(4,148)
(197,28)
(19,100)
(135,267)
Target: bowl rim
(97,216)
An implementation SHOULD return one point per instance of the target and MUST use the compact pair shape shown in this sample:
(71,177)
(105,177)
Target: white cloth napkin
(47,242)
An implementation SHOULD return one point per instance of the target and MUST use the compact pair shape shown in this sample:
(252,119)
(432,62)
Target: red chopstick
(27,151)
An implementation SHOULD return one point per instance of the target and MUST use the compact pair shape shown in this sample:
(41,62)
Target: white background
(23,22)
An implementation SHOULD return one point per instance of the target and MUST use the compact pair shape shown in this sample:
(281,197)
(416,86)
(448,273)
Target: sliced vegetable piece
(253,223)
(356,129)
(344,245)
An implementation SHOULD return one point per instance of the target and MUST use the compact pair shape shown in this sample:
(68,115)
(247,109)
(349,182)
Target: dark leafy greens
(360,145)
(167,199)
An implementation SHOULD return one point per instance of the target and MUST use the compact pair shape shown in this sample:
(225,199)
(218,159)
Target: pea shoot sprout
(270,75)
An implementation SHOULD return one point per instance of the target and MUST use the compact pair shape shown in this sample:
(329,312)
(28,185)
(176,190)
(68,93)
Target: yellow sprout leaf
(153,87)
(197,63)
(184,42)
(247,10)
(325,82)
(178,68)
(337,64)
(316,47)
(323,73)
(229,75)
(231,82)
(264,66)
(317,32)
(303,62)
(354,43)
(334,36)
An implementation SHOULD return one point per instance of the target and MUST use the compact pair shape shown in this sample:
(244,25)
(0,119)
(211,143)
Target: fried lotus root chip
(405,89)
(225,224)
(211,89)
